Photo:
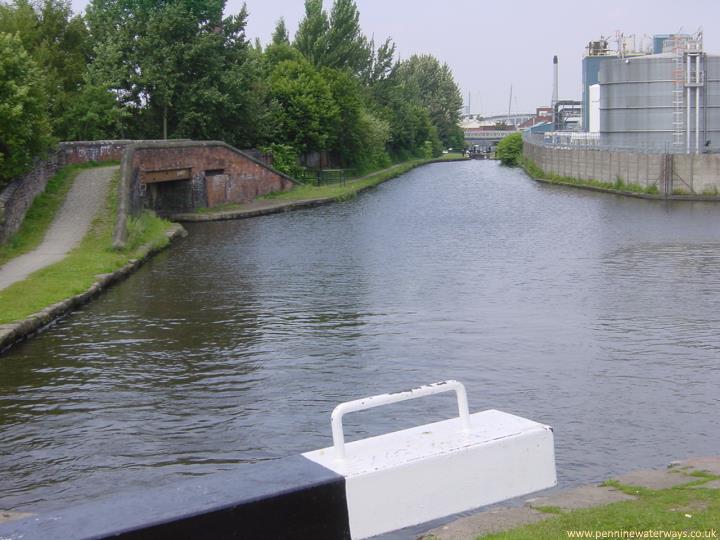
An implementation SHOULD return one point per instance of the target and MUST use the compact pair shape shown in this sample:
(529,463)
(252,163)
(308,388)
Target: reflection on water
(593,313)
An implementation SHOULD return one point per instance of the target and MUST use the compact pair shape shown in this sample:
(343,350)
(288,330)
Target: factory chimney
(555,91)
(555,81)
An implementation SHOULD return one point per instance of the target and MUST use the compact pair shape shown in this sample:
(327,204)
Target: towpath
(82,203)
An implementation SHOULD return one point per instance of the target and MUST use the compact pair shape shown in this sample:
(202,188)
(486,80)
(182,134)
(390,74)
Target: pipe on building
(688,126)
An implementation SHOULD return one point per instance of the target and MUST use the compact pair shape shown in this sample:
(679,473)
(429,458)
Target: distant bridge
(485,139)
(479,135)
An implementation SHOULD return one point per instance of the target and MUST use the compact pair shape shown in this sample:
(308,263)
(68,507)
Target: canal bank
(692,177)
(619,188)
(62,256)
(15,331)
(308,196)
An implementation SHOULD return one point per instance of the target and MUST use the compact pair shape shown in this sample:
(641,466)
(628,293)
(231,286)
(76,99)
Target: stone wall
(17,197)
(692,174)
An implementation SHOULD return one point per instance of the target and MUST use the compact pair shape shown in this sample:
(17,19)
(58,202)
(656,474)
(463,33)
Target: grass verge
(680,510)
(43,210)
(618,186)
(350,189)
(452,156)
(77,272)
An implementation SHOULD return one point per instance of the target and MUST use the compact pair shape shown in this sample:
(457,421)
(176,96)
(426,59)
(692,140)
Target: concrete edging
(636,195)
(13,333)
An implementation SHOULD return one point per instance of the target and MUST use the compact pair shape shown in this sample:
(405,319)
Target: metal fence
(322,177)
(570,140)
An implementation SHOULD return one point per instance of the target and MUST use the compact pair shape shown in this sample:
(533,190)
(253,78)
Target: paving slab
(703,464)
(655,478)
(580,497)
(488,522)
(11,516)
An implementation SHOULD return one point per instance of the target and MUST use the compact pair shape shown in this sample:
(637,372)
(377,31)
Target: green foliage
(335,41)
(306,110)
(311,36)
(436,90)
(143,69)
(346,47)
(380,62)
(179,69)
(509,149)
(285,159)
(427,150)
(58,42)
(93,115)
(280,35)
(691,507)
(24,123)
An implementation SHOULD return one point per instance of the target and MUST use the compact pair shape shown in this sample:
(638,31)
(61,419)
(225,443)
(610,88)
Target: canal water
(596,314)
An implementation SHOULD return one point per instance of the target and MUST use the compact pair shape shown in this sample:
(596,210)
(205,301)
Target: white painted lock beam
(428,472)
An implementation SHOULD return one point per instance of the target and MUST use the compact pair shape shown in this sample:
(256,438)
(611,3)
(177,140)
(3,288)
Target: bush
(510,149)
(24,124)
(285,159)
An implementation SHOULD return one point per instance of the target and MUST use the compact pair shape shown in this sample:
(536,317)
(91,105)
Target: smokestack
(555,93)
(555,81)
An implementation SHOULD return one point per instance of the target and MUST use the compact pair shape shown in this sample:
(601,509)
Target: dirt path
(83,202)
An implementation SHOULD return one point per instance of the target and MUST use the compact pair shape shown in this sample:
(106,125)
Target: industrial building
(665,98)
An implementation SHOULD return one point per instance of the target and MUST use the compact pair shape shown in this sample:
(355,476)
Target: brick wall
(17,197)
(219,174)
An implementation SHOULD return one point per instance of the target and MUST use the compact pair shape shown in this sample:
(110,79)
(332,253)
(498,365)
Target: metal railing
(562,140)
(386,399)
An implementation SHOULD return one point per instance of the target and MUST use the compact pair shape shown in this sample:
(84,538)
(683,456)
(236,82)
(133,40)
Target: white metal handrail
(396,397)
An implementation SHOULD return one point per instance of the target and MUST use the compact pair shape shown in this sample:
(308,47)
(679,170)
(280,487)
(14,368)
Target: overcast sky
(493,44)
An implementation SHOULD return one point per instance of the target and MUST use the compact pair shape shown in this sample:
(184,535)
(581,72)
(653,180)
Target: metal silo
(662,102)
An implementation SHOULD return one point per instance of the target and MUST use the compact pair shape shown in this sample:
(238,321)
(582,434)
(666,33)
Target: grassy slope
(350,189)
(666,509)
(77,272)
(42,212)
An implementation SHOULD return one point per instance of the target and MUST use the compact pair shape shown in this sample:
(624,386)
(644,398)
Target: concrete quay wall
(673,174)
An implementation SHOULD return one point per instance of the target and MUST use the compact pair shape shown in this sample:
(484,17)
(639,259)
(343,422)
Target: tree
(280,35)
(93,115)
(437,91)
(179,68)
(380,63)
(347,133)
(305,110)
(58,42)
(345,45)
(311,37)
(24,123)
(510,149)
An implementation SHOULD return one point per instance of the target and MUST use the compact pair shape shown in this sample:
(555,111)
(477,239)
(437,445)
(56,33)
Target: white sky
(494,43)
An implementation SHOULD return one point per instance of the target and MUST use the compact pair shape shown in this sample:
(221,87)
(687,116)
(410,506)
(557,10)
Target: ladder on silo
(678,93)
